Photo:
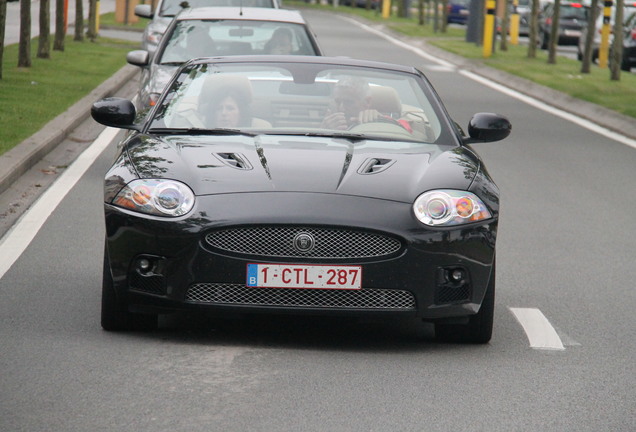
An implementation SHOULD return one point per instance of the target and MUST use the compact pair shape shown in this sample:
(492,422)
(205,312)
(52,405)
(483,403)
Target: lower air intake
(236,294)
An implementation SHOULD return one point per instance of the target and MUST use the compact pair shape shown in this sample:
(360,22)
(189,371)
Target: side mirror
(139,58)
(488,127)
(144,11)
(115,112)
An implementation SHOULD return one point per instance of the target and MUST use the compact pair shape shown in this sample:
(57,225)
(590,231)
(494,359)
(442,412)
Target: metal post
(603,50)
(514,23)
(489,27)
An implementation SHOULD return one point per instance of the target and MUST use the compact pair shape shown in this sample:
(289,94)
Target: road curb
(25,155)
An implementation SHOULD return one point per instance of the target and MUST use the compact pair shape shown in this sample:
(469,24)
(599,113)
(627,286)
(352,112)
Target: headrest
(385,99)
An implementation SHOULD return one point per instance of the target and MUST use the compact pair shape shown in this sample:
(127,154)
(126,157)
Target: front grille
(237,294)
(275,241)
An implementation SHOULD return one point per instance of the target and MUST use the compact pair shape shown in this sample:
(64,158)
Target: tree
(534,24)
(24,50)
(505,26)
(79,20)
(92,20)
(44,39)
(3,21)
(554,32)
(60,27)
(617,44)
(589,39)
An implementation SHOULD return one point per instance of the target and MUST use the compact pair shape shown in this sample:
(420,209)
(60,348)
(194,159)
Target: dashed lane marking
(540,332)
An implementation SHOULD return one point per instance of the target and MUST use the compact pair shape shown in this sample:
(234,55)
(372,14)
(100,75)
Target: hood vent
(375,165)
(234,160)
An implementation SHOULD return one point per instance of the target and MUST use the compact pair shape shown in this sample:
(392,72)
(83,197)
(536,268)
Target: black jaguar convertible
(304,185)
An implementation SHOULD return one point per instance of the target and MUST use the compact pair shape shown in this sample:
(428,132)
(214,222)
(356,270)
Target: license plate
(573,33)
(304,276)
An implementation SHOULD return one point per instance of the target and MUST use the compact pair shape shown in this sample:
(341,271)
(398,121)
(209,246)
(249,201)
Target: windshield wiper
(199,131)
(174,63)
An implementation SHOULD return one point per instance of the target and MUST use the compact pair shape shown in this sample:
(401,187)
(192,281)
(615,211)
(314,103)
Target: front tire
(115,314)
(479,327)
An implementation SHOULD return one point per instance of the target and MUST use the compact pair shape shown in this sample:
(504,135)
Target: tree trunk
(79,20)
(92,20)
(554,32)
(44,39)
(24,55)
(616,56)
(505,25)
(60,28)
(586,61)
(3,21)
(534,24)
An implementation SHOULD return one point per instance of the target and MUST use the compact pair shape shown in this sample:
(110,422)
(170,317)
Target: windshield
(172,7)
(299,99)
(208,38)
(573,11)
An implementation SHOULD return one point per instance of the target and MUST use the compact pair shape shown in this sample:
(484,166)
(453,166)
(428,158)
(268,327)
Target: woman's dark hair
(219,87)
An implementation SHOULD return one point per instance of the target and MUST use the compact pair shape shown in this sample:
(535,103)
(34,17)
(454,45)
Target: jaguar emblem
(304,242)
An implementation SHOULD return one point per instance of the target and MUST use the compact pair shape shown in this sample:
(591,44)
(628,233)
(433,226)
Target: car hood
(398,171)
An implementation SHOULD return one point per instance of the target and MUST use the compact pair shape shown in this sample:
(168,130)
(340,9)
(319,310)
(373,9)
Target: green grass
(31,97)
(108,20)
(565,75)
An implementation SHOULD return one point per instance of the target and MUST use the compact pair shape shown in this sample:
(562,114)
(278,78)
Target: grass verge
(31,97)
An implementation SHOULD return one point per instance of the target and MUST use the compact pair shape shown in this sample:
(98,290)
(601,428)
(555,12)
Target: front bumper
(162,265)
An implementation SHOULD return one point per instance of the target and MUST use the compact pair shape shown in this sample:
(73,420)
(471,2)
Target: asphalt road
(564,249)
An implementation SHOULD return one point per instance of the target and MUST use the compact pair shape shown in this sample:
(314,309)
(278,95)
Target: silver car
(165,10)
(220,31)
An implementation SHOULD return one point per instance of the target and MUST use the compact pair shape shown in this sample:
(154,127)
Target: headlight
(449,207)
(156,197)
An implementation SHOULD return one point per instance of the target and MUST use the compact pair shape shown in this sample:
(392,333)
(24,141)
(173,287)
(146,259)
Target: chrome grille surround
(237,294)
(278,241)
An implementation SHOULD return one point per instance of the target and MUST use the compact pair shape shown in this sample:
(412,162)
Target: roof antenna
(241,10)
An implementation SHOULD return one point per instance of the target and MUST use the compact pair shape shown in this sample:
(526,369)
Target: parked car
(373,4)
(572,20)
(166,10)
(458,11)
(629,9)
(524,9)
(219,31)
(629,43)
(340,187)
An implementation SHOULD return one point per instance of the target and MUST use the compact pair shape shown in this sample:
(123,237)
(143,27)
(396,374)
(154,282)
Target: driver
(351,105)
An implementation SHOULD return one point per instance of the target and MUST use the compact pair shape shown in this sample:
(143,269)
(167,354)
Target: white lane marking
(588,124)
(401,44)
(18,238)
(540,332)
